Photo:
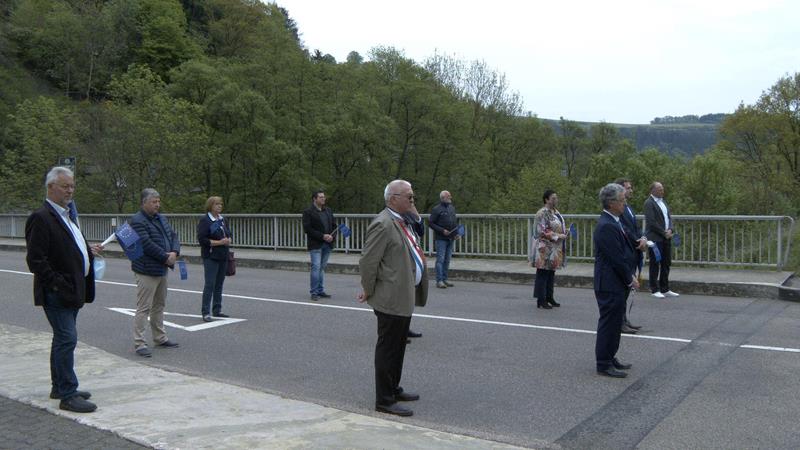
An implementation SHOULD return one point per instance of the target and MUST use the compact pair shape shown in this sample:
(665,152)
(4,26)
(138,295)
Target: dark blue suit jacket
(613,256)
(157,238)
(634,232)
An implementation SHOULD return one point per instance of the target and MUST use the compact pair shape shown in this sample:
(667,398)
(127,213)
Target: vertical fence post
(780,244)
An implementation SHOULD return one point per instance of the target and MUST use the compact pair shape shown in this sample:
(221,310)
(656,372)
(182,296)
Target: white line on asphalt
(454,319)
(217,322)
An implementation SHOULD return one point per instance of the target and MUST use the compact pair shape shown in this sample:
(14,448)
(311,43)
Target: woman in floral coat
(548,249)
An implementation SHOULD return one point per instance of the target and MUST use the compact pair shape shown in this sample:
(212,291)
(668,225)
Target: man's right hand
(634,284)
(446,232)
(171,258)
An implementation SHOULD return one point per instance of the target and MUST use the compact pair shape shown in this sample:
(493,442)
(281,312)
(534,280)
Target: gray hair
(610,193)
(147,193)
(56,172)
(441,194)
(389,189)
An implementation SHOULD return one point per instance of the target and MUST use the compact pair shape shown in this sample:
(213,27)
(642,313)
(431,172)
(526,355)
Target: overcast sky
(619,61)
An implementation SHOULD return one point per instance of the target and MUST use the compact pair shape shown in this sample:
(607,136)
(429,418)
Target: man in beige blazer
(393,280)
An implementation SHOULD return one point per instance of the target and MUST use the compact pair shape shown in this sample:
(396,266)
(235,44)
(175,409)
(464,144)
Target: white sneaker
(658,295)
(672,294)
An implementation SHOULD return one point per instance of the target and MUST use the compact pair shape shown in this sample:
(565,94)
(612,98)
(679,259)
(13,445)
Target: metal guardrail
(759,241)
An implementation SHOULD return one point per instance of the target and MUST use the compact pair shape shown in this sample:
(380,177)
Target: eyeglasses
(410,197)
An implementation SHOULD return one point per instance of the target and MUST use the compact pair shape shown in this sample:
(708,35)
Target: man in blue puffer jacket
(161,247)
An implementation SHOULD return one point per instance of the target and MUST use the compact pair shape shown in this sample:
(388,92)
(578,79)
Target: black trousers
(612,309)
(659,271)
(389,354)
(543,286)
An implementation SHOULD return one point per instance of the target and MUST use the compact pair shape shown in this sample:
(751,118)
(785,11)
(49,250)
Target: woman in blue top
(214,237)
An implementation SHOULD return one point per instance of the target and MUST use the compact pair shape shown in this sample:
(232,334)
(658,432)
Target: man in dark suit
(659,230)
(614,263)
(319,225)
(636,238)
(63,281)
(393,281)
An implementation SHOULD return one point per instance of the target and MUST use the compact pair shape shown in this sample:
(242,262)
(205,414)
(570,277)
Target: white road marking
(217,322)
(454,319)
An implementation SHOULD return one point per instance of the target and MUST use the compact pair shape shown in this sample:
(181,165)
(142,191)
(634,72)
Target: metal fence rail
(759,241)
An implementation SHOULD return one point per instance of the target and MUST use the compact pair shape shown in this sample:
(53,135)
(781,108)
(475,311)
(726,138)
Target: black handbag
(231,269)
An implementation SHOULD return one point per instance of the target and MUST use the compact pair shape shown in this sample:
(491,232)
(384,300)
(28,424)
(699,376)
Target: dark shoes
(207,318)
(553,303)
(627,329)
(413,334)
(144,352)
(635,327)
(83,394)
(324,295)
(448,284)
(619,365)
(221,315)
(543,305)
(406,397)
(612,372)
(77,404)
(395,409)
(314,297)
(168,344)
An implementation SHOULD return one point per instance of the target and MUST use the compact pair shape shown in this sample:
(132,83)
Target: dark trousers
(62,350)
(214,271)
(389,354)
(543,286)
(612,308)
(659,271)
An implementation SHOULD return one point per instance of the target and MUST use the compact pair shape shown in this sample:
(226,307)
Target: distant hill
(686,135)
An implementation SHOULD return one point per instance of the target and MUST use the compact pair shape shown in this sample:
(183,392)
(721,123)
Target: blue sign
(573,231)
(461,231)
(676,240)
(129,241)
(182,269)
(346,231)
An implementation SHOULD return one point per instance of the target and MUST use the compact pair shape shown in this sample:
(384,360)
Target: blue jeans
(62,350)
(214,272)
(319,260)
(444,251)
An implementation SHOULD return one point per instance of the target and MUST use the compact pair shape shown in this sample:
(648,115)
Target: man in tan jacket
(393,280)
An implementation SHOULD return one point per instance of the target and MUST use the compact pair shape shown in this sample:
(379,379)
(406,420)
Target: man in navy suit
(614,264)
(63,281)
(636,238)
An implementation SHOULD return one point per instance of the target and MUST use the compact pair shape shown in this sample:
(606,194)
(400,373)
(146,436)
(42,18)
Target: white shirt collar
(211,216)
(59,209)
(616,218)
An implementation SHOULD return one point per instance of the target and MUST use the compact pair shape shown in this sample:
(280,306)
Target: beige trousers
(151,296)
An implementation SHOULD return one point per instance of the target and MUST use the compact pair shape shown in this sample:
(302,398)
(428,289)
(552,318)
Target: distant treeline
(706,118)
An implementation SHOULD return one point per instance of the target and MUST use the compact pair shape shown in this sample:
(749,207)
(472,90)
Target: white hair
(56,172)
(147,193)
(389,189)
(610,193)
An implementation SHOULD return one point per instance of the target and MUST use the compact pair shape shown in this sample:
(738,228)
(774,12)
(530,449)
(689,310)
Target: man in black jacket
(443,221)
(63,281)
(635,236)
(658,217)
(319,225)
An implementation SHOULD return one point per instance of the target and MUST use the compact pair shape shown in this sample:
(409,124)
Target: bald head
(657,189)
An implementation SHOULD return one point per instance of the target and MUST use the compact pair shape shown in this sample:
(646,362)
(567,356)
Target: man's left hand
(97,249)
(327,238)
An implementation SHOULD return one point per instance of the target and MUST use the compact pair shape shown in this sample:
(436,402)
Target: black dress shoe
(626,329)
(324,295)
(413,334)
(619,365)
(207,318)
(395,409)
(553,303)
(84,394)
(77,404)
(611,372)
(543,306)
(221,315)
(406,397)
(168,344)
(635,327)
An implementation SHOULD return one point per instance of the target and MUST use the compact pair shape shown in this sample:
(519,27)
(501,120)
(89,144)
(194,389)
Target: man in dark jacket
(613,278)
(161,248)
(635,236)
(63,281)
(659,230)
(444,223)
(319,226)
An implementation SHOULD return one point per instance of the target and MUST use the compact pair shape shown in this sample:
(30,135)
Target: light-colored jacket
(387,272)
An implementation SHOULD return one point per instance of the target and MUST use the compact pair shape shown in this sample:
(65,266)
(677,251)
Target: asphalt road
(489,363)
